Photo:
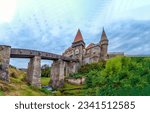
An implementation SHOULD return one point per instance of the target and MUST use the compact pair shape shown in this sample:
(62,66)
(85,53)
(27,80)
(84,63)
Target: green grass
(67,90)
(19,87)
(1,93)
(74,92)
(45,81)
(71,90)
(68,86)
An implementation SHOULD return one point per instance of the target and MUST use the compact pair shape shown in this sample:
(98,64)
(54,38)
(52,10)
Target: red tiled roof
(78,36)
(90,45)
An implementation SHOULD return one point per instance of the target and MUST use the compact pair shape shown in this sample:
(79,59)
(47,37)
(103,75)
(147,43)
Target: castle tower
(103,45)
(78,46)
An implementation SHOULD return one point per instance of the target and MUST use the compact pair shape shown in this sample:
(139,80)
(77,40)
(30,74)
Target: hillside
(118,76)
(19,87)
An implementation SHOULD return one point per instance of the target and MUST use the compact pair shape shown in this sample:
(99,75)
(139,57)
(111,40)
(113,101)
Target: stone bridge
(62,66)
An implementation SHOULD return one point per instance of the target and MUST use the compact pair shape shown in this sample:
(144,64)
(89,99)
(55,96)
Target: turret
(78,40)
(78,46)
(103,45)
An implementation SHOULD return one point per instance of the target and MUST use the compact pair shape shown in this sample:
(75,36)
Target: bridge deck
(26,53)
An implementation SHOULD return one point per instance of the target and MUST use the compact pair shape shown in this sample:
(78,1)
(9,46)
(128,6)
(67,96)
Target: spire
(78,37)
(103,37)
(78,40)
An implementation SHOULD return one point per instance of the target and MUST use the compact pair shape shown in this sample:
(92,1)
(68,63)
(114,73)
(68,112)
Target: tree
(45,70)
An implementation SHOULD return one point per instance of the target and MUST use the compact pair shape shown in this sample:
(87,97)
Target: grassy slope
(19,87)
(122,76)
(72,90)
(67,90)
(45,81)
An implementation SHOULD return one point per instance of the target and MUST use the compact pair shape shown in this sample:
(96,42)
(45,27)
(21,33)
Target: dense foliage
(86,69)
(45,71)
(119,76)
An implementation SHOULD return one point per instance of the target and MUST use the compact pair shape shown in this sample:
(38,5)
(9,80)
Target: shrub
(90,67)
(120,76)
(1,93)
(75,75)
(45,71)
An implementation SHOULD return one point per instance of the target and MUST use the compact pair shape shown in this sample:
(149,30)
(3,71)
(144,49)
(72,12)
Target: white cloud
(7,10)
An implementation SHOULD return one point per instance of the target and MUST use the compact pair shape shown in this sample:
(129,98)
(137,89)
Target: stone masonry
(87,54)
(4,62)
(61,69)
(61,66)
(92,52)
(57,73)
(34,71)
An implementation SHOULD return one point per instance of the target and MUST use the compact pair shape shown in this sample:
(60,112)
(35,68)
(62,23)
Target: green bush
(75,75)
(1,93)
(119,76)
(45,71)
(90,67)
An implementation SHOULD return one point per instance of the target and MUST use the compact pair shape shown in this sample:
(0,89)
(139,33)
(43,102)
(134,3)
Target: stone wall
(4,62)
(72,67)
(60,70)
(77,81)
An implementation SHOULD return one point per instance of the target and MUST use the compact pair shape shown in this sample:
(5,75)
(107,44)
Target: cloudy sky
(50,25)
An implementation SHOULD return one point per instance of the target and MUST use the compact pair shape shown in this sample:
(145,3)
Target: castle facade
(85,55)
(88,54)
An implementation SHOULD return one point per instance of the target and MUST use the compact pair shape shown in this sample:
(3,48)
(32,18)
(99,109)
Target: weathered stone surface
(60,70)
(34,71)
(76,81)
(26,53)
(90,54)
(57,73)
(34,66)
(73,67)
(4,62)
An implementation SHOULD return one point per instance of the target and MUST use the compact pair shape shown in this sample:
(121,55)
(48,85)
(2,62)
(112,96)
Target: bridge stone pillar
(57,74)
(72,67)
(34,71)
(4,62)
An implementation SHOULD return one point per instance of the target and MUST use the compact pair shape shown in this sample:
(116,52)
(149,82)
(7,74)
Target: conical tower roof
(103,37)
(78,40)
(78,36)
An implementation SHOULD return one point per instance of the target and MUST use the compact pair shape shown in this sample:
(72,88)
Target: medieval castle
(91,53)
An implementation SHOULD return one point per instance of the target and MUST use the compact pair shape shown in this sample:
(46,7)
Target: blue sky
(50,25)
